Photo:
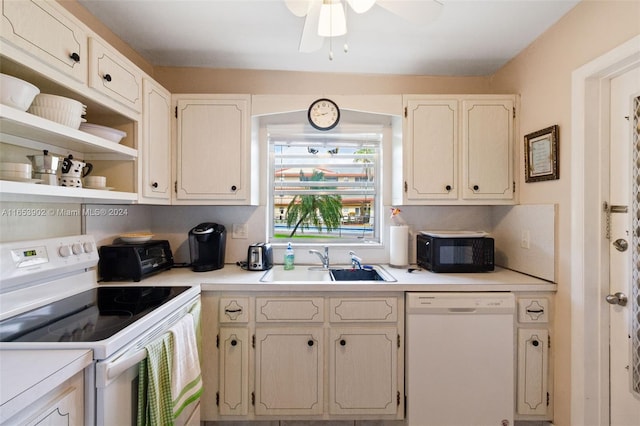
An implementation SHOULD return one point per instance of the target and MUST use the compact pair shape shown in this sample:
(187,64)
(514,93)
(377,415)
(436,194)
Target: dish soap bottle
(288,258)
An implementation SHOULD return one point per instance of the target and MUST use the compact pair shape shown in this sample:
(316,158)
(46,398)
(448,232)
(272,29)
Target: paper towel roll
(399,246)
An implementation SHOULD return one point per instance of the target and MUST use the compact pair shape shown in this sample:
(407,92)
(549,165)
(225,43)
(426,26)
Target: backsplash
(505,223)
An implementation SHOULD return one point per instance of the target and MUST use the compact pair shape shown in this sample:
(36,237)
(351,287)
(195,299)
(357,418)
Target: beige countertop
(27,375)
(233,278)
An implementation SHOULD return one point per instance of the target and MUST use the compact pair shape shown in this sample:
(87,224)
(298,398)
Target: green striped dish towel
(170,378)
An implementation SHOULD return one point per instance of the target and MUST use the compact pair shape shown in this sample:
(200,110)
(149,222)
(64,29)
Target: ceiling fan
(326,18)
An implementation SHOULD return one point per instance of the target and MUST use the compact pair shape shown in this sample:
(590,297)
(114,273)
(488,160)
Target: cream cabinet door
(431,150)
(212,149)
(289,371)
(234,371)
(115,76)
(46,32)
(156,143)
(487,149)
(363,370)
(533,353)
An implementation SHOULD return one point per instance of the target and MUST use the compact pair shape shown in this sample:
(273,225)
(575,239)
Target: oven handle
(118,367)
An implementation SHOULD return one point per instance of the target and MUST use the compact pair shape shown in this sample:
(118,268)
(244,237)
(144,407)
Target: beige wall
(542,75)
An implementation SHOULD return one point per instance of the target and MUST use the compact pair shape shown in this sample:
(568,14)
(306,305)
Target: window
(324,187)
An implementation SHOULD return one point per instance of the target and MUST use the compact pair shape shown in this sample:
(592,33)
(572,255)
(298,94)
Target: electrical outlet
(240,230)
(525,239)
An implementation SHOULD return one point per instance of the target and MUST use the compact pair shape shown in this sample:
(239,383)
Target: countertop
(233,278)
(28,375)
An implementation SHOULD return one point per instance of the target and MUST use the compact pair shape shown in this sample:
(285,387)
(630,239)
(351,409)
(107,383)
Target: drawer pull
(233,310)
(75,57)
(107,77)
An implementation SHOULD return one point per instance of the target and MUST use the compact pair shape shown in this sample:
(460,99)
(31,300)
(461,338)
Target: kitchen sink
(298,274)
(355,275)
(301,274)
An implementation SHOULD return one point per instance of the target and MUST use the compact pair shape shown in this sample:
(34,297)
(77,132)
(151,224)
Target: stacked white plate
(113,135)
(56,108)
(15,171)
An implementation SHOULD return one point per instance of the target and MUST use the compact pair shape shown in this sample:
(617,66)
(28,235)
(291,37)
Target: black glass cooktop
(89,316)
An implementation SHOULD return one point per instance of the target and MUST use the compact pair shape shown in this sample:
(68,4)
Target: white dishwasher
(460,359)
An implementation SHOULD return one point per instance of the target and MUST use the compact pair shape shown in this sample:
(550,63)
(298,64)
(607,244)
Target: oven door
(117,380)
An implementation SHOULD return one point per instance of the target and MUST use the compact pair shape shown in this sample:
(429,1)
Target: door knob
(621,244)
(617,299)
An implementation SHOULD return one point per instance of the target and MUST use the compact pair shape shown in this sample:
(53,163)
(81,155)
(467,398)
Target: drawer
(233,310)
(289,309)
(363,309)
(113,75)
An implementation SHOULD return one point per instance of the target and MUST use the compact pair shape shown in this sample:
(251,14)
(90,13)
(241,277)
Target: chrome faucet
(355,260)
(324,257)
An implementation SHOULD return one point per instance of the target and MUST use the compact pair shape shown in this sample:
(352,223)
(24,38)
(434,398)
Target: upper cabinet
(213,150)
(42,43)
(47,33)
(113,75)
(458,150)
(155,150)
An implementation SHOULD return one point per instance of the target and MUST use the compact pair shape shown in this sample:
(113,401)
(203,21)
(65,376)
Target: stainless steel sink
(302,274)
(355,275)
(298,274)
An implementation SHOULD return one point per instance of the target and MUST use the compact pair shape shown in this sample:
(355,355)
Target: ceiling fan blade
(310,40)
(298,7)
(419,12)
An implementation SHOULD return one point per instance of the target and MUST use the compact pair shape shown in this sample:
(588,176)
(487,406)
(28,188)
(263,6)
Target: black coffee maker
(207,243)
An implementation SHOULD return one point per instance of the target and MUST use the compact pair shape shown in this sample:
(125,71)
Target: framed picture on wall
(541,155)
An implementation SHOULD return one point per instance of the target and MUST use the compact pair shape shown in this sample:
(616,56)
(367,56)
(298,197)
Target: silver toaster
(259,257)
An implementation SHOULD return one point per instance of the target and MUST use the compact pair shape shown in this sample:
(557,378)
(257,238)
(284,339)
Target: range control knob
(77,248)
(88,248)
(64,251)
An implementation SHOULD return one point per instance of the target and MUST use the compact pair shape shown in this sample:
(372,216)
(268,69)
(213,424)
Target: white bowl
(114,135)
(55,101)
(66,117)
(16,93)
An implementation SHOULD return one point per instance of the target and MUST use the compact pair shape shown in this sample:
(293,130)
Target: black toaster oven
(455,251)
(134,261)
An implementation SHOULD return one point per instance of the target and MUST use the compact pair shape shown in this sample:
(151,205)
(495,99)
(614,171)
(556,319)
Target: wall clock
(323,114)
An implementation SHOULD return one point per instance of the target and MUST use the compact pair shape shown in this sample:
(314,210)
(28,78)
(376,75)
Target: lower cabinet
(304,357)
(534,386)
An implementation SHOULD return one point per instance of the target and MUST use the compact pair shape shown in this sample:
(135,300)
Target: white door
(624,274)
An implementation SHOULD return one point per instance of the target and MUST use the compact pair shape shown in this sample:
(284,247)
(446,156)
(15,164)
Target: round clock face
(324,114)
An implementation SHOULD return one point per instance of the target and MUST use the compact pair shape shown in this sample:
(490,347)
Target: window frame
(304,136)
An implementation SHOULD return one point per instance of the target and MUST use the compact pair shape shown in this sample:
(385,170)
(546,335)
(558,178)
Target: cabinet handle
(234,342)
(75,57)
(476,187)
(343,342)
(233,310)
(535,343)
(107,77)
(234,188)
(448,188)
(310,342)
(154,184)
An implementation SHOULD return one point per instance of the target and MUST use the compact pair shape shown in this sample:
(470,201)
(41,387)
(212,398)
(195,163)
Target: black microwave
(455,251)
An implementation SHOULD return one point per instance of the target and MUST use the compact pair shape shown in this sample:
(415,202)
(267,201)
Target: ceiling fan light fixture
(361,6)
(332,22)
